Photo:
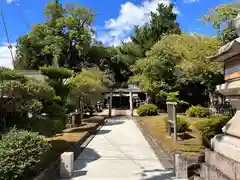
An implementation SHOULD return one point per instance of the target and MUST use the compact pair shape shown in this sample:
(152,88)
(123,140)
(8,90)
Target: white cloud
(10,1)
(130,14)
(13,2)
(5,56)
(190,1)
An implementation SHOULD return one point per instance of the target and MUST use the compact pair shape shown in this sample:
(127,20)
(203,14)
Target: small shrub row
(46,127)
(182,124)
(212,126)
(147,110)
(22,154)
(198,111)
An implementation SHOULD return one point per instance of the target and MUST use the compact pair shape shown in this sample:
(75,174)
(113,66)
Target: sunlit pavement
(119,152)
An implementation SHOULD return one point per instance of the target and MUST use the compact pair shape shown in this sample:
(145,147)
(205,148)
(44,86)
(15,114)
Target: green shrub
(198,111)
(55,110)
(147,110)
(70,108)
(46,127)
(22,154)
(182,124)
(212,126)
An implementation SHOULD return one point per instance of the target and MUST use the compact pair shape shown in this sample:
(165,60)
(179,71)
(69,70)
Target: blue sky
(113,24)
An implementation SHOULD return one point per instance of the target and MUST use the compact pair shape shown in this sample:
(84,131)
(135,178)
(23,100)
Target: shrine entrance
(125,98)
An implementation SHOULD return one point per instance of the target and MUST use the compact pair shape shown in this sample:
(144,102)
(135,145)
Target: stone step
(227,166)
(209,172)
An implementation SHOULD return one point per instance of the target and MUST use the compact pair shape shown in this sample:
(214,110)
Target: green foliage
(56,73)
(55,110)
(212,126)
(198,111)
(172,97)
(192,51)
(8,74)
(163,22)
(155,73)
(57,79)
(220,17)
(70,108)
(91,82)
(46,127)
(21,154)
(32,106)
(63,39)
(182,124)
(147,110)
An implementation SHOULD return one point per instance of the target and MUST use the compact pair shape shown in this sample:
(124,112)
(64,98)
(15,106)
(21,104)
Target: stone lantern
(224,157)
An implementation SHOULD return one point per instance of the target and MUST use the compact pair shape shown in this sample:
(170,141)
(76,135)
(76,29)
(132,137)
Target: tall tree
(221,17)
(178,63)
(162,22)
(61,41)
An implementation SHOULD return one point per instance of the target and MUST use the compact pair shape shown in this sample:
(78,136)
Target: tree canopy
(221,17)
(176,62)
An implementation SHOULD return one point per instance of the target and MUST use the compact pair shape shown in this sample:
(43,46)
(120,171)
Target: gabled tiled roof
(227,51)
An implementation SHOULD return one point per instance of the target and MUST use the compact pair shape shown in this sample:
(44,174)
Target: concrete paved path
(119,152)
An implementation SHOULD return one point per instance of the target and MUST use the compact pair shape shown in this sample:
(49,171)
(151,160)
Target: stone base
(226,145)
(228,167)
(211,173)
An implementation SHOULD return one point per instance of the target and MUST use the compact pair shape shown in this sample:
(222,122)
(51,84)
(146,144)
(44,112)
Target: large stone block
(227,166)
(211,173)
(233,126)
(181,171)
(226,145)
(66,166)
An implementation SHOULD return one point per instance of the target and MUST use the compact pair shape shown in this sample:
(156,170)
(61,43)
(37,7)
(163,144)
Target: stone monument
(223,160)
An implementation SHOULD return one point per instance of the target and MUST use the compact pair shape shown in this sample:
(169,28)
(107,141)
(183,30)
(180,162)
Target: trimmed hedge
(46,127)
(198,111)
(212,126)
(22,153)
(182,124)
(147,110)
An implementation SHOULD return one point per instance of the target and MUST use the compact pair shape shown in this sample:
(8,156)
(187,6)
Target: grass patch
(190,142)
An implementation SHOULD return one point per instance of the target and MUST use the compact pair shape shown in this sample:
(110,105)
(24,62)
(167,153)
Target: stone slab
(226,145)
(227,166)
(211,173)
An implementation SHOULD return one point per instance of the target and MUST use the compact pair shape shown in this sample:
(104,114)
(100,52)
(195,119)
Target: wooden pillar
(131,102)
(110,104)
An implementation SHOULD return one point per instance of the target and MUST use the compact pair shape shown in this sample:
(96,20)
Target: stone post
(66,166)
(131,102)
(180,166)
(110,104)
(172,119)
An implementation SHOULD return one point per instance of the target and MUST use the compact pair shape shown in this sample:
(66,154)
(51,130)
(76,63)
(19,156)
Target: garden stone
(66,166)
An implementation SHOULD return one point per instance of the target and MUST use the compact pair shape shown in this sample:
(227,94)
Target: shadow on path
(103,131)
(158,174)
(87,156)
